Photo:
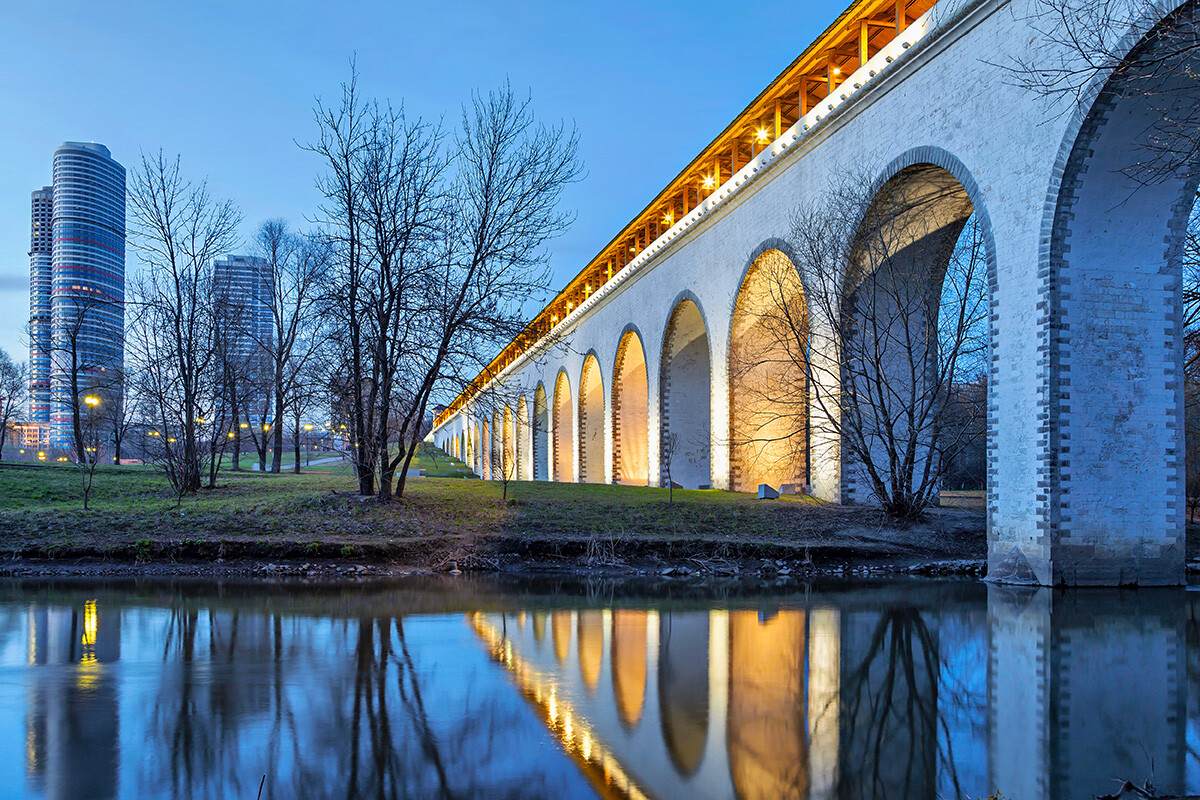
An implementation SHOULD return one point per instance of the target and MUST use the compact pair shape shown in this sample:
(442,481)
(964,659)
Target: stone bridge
(1085,433)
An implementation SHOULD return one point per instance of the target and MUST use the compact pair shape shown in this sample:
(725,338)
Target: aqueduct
(633,366)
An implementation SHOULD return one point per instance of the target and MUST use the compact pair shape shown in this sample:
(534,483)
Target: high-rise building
(40,253)
(86,294)
(243,286)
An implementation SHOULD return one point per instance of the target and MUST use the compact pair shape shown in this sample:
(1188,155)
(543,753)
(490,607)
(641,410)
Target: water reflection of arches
(630,412)
(629,664)
(591,422)
(683,687)
(539,626)
(768,390)
(560,630)
(591,647)
(686,397)
(767,729)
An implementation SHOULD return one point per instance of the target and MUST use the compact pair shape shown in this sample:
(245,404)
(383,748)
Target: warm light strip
(572,730)
(858,80)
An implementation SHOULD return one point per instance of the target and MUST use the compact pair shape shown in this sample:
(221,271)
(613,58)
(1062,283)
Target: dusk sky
(230,86)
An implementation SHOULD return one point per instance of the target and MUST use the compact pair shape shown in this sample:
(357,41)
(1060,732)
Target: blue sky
(230,87)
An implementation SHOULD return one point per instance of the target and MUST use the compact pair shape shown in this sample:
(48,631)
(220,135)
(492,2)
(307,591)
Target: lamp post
(92,402)
(308,445)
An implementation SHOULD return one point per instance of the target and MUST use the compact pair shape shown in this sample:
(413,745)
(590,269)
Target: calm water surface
(467,688)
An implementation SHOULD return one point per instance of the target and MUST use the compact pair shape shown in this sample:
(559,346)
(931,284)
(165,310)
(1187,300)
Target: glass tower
(40,252)
(87,279)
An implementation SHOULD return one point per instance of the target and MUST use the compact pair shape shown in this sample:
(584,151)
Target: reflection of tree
(890,711)
(322,709)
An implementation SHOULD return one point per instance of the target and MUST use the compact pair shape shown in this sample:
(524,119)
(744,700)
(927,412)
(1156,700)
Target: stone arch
(686,392)
(522,446)
(630,412)
(541,435)
(485,455)
(508,458)
(564,427)
(768,384)
(907,235)
(591,422)
(496,467)
(1110,304)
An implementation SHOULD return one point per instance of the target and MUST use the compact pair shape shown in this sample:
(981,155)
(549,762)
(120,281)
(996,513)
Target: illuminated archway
(768,390)
(541,435)
(508,461)
(686,399)
(564,433)
(631,414)
(591,423)
(485,456)
(522,440)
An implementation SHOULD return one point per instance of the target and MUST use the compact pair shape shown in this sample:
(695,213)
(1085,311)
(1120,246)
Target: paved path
(288,467)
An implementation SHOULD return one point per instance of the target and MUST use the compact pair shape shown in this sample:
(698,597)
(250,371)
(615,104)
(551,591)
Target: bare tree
(896,284)
(14,382)
(179,231)
(295,267)
(670,449)
(80,369)
(383,208)
(435,253)
(509,175)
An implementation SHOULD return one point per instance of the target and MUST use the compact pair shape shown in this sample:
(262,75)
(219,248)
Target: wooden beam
(778,118)
(901,20)
(864,42)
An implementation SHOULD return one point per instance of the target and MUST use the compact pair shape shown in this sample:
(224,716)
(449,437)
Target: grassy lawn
(134,513)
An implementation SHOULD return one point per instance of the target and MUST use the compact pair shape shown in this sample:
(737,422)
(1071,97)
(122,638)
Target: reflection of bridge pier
(1085,688)
(72,714)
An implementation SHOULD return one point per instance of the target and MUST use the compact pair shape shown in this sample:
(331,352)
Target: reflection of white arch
(686,397)
(630,413)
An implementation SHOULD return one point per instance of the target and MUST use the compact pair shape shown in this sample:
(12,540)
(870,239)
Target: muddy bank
(949,542)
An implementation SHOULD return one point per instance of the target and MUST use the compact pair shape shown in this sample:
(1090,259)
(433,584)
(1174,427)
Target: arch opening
(900,381)
(631,413)
(564,424)
(508,459)
(541,435)
(521,446)
(768,383)
(686,392)
(591,422)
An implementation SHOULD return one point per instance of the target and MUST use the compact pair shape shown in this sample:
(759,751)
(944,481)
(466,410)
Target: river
(565,688)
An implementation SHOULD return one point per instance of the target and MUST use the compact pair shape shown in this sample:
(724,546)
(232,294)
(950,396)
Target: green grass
(133,513)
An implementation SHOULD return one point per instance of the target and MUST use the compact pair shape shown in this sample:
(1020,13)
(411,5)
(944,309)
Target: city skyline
(550,51)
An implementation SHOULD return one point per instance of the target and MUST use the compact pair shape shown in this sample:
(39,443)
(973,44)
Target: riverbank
(314,523)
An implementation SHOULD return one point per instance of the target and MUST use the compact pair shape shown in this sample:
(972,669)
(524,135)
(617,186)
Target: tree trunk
(277,458)
(296,446)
